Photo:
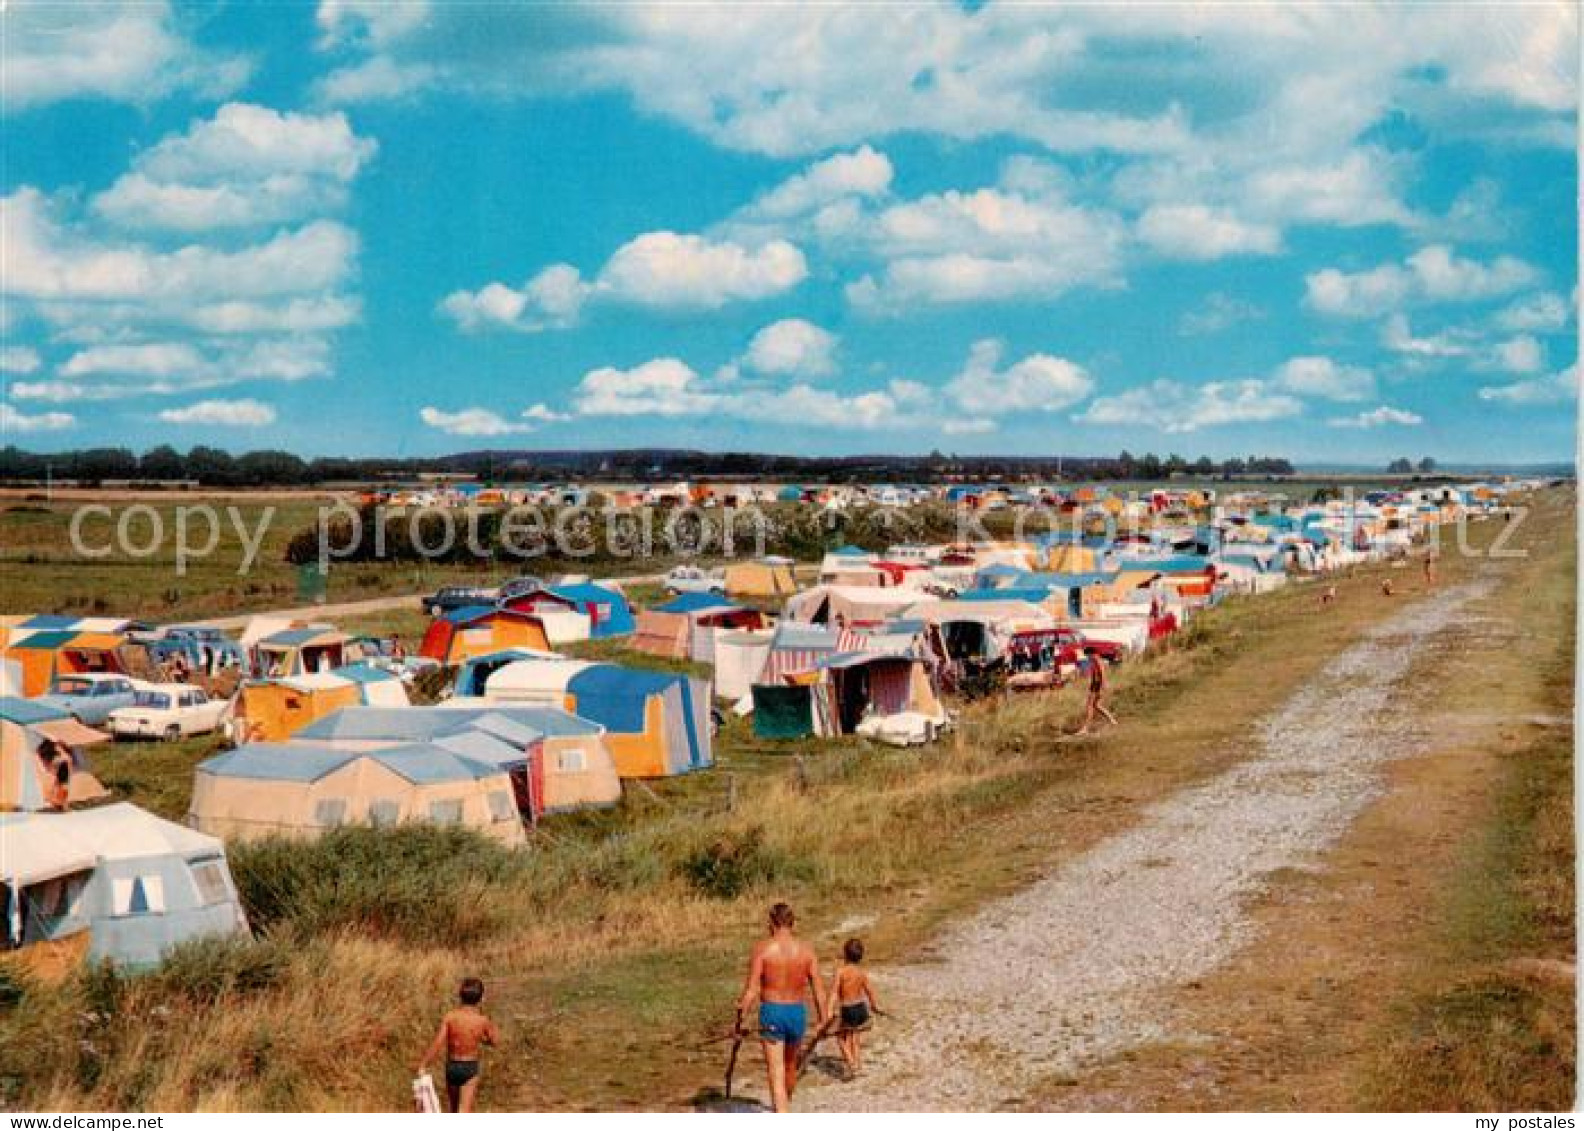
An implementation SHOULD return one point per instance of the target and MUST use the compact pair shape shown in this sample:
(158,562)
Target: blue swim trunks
(783,1023)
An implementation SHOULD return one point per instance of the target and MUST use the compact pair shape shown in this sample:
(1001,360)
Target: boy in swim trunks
(852,994)
(463,1032)
(782,971)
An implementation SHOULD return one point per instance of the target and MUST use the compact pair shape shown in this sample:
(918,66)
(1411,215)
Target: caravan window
(138,895)
(330,811)
(383,813)
(210,877)
(448,812)
(571,762)
(501,806)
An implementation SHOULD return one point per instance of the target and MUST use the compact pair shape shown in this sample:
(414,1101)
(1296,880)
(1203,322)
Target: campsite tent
(557,762)
(479,630)
(766,578)
(42,651)
(739,658)
(606,609)
(24,727)
(850,604)
(475,672)
(271,710)
(301,789)
(116,882)
(300,651)
(684,627)
(849,565)
(656,724)
(845,689)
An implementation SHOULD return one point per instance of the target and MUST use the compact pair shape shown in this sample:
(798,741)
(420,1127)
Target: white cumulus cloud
(247,165)
(1324,378)
(1036,383)
(1197,232)
(224,414)
(14,420)
(1378,418)
(19,359)
(660,270)
(1433,274)
(122,52)
(1554,389)
(471,422)
(792,347)
(1174,407)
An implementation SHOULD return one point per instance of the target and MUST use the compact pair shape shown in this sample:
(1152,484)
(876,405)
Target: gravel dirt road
(1074,969)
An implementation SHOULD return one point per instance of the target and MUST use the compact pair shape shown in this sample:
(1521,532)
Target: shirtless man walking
(782,972)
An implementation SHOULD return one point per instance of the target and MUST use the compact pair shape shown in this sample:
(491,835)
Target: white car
(169,711)
(692,579)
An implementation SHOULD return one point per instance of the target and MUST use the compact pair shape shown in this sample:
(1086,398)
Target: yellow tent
(760,579)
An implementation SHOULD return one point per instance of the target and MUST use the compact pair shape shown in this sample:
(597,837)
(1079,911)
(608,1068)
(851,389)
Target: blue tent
(618,698)
(139,885)
(607,609)
(694,602)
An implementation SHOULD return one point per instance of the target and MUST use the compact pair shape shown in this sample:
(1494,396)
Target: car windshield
(157,700)
(73,687)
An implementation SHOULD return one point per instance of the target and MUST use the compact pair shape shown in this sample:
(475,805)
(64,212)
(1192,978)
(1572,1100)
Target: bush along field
(612,946)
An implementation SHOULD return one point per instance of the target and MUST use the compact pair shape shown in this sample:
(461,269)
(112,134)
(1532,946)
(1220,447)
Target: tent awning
(71,732)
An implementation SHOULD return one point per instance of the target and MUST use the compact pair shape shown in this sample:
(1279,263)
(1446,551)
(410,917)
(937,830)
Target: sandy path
(1075,968)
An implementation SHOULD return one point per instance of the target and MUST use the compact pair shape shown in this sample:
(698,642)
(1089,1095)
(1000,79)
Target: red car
(1049,648)
(1075,644)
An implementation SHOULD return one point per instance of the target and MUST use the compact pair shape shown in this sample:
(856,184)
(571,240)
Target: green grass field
(621,931)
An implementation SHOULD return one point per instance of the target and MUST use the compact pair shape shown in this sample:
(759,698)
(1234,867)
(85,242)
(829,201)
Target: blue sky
(1337,233)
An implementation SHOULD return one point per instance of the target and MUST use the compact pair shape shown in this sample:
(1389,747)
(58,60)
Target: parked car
(517,586)
(204,648)
(1074,645)
(452,597)
(692,579)
(167,710)
(91,696)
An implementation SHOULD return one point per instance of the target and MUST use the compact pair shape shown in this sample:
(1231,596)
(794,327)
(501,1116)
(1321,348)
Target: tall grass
(419,884)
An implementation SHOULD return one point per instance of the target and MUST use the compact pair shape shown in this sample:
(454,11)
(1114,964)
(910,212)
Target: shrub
(416,884)
(13,987)
(735,863)
(205,970)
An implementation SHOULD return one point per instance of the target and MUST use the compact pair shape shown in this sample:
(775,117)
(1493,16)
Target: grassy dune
(614,944)
(1490,1023)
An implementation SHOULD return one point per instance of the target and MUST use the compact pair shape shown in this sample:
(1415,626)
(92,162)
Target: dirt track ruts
(1076,968)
